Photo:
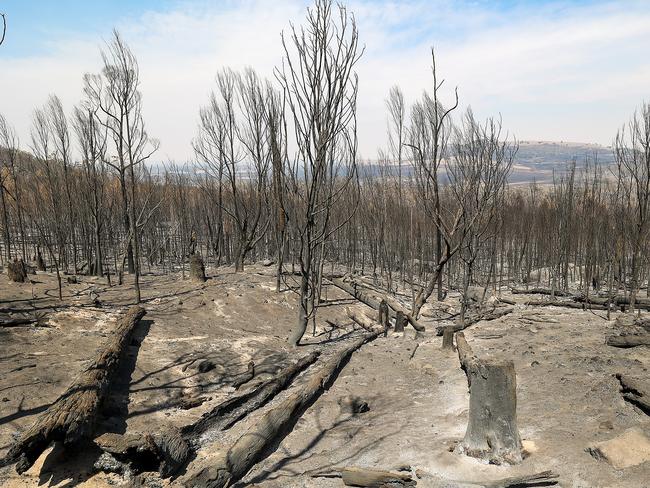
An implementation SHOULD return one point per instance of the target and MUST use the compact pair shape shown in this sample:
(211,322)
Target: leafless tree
(396,129)
(430,130)
(116,92)
(632,150)
(233,143)
(480,165)
(321,88)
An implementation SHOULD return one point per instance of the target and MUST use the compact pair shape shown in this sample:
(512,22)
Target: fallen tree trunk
(540,291)
(473,319)
(367,477)
(71,418)
(363,320)
(629,340)
(226,414)
(635,391)
(394,307)
(544,478)
(164,451)
(231,465)
(618,301)
(20,321)
(492,434)
(554,303)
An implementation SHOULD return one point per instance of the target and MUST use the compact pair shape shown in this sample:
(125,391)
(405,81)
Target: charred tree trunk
(233,463)
(448,338)
(72,417)
(492,434)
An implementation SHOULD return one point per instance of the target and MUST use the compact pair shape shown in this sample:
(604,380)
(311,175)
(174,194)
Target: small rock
(535,363)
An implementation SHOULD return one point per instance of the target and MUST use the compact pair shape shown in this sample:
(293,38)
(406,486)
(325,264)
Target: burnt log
(71,418)
(635,391)
(540,291)
(492,434)
(367,477)
(164,452)
(628,340)
(233,463)
(472,319)
(231,411)
(363,320)
(354,289)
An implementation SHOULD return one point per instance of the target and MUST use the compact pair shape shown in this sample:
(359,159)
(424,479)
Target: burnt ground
(568,398)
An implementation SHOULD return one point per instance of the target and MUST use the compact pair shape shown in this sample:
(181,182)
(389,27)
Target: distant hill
(538,159)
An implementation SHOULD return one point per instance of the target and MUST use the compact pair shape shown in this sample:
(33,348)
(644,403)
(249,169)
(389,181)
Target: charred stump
(40,262)
(384,316)
(448,338)
(400,321)
(197,268)
(492,434)
(17,271)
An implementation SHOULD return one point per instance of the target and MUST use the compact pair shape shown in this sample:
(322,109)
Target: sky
(553,70)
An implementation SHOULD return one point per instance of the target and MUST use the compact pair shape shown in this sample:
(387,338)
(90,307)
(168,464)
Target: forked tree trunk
(492,434)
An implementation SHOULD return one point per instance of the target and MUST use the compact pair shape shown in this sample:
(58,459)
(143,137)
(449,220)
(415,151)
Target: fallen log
(164,452)
(71,418)
(492,434)
(232,464)
(540,291)
(493,314)
(635,391)
(545,478)
(618,301)
(362,320)
(231,411)
(628,340)
(367,477)
(555,303)
(394,307)
(38,320)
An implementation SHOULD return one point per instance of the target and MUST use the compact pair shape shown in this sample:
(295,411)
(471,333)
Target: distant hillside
(537,159)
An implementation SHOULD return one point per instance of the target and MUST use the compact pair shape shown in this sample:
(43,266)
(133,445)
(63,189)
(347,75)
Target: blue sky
(554,70)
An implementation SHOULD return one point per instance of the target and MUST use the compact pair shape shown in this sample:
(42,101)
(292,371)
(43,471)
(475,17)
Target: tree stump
(448,338)
(40,262)
(384,316)
(197,268)
(17,271)
(492,434)
(400,321)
